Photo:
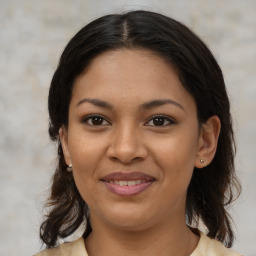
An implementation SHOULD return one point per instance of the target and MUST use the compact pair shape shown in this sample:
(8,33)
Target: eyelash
(152,119)
(165,118)
(87,118)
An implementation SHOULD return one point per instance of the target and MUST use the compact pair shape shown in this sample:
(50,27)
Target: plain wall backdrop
(32,37)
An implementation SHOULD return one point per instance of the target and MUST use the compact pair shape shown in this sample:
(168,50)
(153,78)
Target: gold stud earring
(69,168)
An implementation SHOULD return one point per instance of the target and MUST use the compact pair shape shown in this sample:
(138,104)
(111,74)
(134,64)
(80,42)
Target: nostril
(126,160)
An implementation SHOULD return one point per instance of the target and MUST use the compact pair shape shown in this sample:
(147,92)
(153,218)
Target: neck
(164,239)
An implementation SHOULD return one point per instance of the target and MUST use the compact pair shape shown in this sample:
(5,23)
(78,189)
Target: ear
(207,142)
(64,143)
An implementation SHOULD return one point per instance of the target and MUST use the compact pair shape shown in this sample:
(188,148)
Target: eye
(95,120)
(160,121)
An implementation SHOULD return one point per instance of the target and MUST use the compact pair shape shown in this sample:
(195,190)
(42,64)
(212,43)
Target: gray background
(32,36)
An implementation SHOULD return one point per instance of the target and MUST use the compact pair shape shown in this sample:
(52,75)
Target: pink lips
(127,184)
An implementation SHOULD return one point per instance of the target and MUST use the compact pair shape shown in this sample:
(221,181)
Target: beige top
(205,247)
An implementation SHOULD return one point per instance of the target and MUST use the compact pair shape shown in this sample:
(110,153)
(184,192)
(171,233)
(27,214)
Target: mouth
(127,184)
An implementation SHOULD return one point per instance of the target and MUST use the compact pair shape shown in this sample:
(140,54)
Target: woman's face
(133,139)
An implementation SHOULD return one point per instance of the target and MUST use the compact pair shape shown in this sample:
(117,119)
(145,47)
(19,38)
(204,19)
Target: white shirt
(205,247)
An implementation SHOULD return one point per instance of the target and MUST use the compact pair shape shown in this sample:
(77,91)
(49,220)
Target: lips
(127,184)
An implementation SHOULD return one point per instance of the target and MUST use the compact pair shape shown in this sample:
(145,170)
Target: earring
(69,168)
(201,161)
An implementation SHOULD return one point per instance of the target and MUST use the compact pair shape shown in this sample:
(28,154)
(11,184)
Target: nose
(126,145)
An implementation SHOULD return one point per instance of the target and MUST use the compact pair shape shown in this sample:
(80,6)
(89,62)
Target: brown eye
(95,120)
(160,121)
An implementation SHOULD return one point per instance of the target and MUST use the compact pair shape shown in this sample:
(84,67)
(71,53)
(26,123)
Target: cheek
(85,155)
(175,155)
(85,151)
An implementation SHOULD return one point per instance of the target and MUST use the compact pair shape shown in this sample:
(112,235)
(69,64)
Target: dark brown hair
(211,190)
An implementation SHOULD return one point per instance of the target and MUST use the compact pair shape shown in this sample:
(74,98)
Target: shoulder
(76,248)
(212,247)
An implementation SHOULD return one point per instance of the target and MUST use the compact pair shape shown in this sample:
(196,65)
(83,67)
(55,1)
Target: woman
(139,110)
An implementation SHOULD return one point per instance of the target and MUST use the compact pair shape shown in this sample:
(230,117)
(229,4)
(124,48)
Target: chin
(129,219)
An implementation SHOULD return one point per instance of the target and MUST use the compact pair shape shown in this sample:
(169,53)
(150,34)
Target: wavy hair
(212,188)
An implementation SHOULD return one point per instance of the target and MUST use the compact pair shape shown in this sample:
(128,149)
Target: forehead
(130,75)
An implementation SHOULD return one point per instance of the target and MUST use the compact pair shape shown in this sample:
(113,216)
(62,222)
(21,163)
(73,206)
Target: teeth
(123,183)
(131,182)
(127,183)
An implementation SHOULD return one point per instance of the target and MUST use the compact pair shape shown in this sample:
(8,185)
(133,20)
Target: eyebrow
(96,102)
(157,103)
(144,106)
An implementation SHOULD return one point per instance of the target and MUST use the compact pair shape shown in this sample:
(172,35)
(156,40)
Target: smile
(127,184)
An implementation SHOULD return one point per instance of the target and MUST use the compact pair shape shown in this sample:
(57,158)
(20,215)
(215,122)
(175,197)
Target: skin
(129,138)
